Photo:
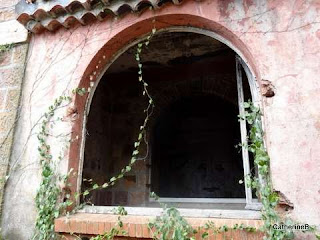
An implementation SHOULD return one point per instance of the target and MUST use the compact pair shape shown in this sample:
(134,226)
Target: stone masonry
(12,66)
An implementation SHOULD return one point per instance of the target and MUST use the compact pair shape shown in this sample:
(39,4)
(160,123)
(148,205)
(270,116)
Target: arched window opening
(189,156)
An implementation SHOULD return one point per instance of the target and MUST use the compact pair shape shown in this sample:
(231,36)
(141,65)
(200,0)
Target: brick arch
(127,36)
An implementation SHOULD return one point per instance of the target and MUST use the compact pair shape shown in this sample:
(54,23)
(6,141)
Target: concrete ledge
(185,212)
(137,226)
(12,32)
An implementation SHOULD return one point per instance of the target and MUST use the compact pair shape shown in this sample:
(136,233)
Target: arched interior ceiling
(171,49)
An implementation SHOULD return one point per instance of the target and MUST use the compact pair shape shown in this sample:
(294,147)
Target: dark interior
(188,151)
(193,153)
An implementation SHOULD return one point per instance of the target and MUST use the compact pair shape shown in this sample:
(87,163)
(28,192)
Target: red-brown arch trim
(132,32)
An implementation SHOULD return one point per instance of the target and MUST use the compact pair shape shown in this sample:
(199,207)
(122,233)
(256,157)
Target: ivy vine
(170,225)
(142,128)
(268,197)
(115,230)
(6,47)
(47,204)
(49,191)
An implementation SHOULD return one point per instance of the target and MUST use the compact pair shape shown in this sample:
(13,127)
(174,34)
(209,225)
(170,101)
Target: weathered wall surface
(12,66)
(279,39)
(7,10)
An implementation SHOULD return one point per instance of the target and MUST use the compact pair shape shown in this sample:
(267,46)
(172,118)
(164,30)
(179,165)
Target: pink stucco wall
(279,39)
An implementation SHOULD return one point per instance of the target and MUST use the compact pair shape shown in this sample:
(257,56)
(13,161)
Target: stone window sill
(89,224)
(230,211)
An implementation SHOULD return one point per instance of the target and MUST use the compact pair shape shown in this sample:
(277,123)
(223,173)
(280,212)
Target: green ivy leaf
(128,168)
(205,235)
(133,160)
(246,105)
(76,195)
(85,193)
(135,152)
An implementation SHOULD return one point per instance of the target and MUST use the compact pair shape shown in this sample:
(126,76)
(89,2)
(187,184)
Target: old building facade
(192,67)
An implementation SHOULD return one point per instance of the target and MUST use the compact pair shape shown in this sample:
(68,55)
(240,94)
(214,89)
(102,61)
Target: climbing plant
(268,197)
(6,47)
(115,230)
(48,193)
(142,128)
(170,225)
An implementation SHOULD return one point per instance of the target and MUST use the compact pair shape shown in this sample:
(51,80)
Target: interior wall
(113,126)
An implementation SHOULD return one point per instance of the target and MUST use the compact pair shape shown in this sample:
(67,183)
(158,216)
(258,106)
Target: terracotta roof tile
(53,14)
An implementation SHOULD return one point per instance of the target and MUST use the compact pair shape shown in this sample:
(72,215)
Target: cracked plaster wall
(280,39)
